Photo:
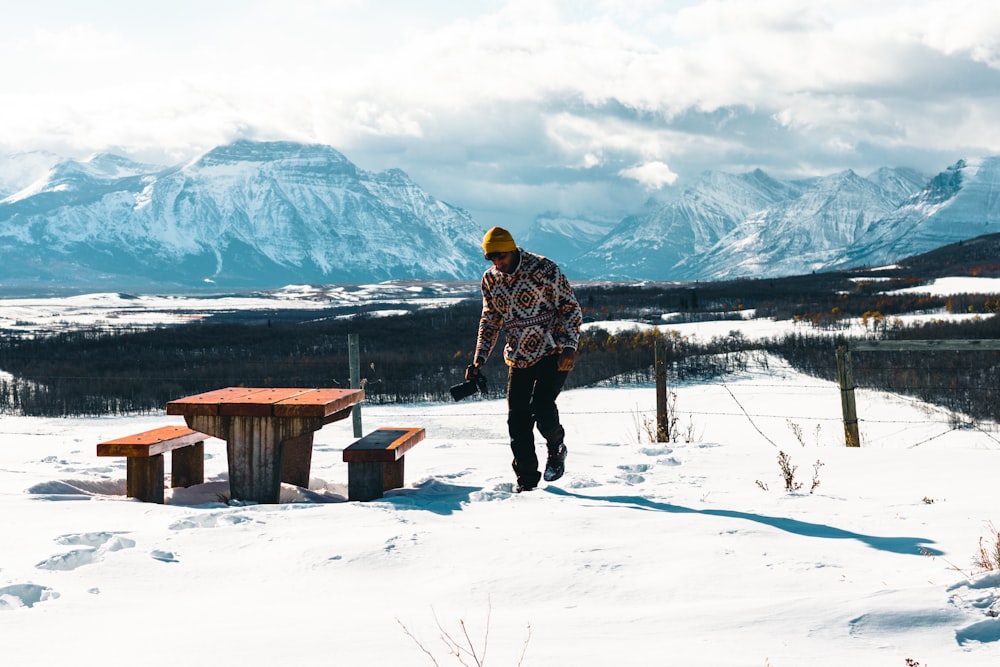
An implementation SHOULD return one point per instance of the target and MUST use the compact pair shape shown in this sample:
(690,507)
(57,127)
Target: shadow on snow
(913,546)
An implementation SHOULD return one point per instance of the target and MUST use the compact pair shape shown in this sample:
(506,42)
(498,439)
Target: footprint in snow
(210,520)
(979,599)
(24,595)
(499,491)
(92,539)
(631,474)
(95,546)
(983,632)
(631,478)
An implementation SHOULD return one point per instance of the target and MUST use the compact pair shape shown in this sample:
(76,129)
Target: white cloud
(654,175)
(501,92)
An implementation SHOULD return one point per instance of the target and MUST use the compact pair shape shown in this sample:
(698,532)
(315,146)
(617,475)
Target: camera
(469,387)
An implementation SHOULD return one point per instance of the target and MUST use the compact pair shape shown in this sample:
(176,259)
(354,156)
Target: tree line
(404,358)
(967,383)
(418,356)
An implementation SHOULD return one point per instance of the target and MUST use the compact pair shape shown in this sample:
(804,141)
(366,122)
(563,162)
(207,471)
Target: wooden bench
(375,462)
(144,453)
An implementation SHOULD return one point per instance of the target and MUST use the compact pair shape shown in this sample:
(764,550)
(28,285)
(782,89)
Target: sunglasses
(496,255)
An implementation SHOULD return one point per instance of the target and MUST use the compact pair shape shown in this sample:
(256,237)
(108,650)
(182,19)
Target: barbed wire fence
(936,414)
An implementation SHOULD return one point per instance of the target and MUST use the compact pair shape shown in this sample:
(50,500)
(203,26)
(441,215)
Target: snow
(32,314)
(953,286)
(683,553)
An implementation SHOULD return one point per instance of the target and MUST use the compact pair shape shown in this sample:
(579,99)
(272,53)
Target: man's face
(502,261)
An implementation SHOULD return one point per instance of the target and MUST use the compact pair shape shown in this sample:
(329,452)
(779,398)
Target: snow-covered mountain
(244,214)
(19,169)
(558,236)
(809,232)
(659,242)
(751,225)
(266,214)
(960,203)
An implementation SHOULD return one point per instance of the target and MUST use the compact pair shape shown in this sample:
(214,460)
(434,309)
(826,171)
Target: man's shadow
(912,546)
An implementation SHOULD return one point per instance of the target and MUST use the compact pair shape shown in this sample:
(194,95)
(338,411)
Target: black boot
(528,480)
(555,466)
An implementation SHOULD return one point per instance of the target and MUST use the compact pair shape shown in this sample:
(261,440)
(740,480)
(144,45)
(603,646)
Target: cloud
(654,175)
(501,107)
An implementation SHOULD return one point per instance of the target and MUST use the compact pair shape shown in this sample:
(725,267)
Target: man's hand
(567,359)
(472,370)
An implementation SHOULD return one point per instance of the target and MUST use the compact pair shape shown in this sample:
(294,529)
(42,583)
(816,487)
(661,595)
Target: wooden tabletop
(266,402)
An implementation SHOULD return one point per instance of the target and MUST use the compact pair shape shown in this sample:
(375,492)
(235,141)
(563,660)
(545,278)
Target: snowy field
(114,309)
(684,553)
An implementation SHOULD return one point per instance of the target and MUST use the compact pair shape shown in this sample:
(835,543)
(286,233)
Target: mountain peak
(112,166)
(244,214)
(246,150)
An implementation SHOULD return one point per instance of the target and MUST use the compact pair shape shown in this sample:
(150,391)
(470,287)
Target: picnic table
(268,432)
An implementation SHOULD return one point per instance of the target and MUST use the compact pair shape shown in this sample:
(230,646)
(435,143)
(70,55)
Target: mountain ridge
(264,214)
(245,214)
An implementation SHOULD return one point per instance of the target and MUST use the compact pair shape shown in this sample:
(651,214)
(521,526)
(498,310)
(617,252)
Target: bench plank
(319,403)
(144,460)
(267,402)
(375,463)
(150,443)
(385,444)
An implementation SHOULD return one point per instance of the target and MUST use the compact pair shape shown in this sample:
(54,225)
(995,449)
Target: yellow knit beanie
(498,239)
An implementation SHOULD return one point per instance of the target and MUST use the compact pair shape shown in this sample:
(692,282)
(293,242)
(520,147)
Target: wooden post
(255,451)
(660,371)
(144,478)
(296,460)
(845,378)
(354,356)
(187,465)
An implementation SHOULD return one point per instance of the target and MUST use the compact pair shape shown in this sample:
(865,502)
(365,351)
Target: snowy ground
(685,553)
(642,554)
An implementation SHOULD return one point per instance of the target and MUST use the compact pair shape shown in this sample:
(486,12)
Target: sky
(514,109)
(691,552)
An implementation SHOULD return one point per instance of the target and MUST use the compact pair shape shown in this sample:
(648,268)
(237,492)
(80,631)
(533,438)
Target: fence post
(660,372)
(845,378)
(354,357)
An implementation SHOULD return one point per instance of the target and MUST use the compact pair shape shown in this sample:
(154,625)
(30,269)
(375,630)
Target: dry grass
(988,558)
(463,649)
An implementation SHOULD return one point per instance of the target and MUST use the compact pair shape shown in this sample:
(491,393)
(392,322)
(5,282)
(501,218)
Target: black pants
(531,402)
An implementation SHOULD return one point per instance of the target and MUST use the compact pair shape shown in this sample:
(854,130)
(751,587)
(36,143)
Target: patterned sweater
(536,308)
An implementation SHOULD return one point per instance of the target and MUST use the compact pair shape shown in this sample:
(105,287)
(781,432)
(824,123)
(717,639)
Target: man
(530,299)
